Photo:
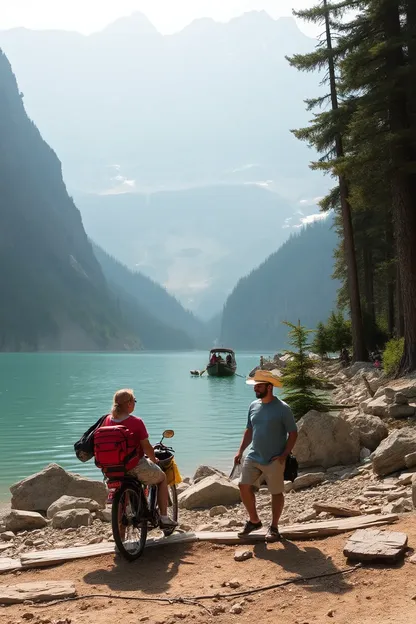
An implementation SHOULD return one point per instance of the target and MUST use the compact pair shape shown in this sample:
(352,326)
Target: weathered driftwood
(8,565)
(374,544)
(367,385)
(337,509)
(36,592)
(296,531)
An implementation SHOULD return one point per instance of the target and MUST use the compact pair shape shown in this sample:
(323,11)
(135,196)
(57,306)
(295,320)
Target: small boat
(221,363)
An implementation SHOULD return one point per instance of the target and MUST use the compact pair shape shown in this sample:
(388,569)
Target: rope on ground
(195,600)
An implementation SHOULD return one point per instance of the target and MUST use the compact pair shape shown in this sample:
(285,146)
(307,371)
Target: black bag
(84,448)
(291,468)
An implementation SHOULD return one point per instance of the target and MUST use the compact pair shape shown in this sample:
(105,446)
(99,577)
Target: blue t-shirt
(271,423)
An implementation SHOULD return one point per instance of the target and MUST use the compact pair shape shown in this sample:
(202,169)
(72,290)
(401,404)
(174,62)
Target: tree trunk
(399,306)
(369,282)
(403,182)
(359,348)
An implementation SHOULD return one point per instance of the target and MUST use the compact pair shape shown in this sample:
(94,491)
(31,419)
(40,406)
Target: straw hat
(262,376)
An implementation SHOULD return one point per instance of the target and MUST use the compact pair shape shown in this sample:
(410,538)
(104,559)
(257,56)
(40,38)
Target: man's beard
(260,394)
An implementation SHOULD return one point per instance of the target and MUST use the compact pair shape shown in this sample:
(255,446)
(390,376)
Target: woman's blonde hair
(120,401)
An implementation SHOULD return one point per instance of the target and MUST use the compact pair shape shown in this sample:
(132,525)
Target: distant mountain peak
(137,23)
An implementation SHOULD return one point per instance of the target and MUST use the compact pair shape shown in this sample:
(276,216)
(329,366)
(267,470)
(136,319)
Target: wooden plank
(37,592)
(304,531)
(43,558)
(337,509)
(8,565)
(298,531)
(374,544)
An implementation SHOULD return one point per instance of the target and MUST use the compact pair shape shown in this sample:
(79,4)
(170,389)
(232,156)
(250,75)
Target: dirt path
(373,595)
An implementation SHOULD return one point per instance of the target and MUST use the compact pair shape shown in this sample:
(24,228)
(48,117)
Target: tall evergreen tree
(326,134)
(377,70)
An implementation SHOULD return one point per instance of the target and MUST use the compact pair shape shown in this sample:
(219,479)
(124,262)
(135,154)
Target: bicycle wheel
(128,522)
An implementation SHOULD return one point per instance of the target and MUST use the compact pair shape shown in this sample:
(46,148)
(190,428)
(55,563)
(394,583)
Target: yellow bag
(173,475)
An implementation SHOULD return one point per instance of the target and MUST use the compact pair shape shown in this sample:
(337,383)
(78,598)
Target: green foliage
(339,331)
(392,355)
(322,343)
(299,383)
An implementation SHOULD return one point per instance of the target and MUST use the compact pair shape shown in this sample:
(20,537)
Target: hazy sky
(167,15)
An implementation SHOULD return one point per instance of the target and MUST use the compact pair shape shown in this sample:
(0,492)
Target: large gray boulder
(211,491)
(377,407)
(390,455)
(308,480)
(206,471)
(40,490)
(72,518)
(71,502)
(326,440)
(24,521)
(371,429)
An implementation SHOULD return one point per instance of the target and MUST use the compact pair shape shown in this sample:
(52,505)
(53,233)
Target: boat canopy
(222,350)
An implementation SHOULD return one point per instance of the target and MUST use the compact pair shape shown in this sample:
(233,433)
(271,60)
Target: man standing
(272,432)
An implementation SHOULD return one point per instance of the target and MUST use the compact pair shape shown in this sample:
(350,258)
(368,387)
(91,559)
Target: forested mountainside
(153,299)
(293,283)
(55,296)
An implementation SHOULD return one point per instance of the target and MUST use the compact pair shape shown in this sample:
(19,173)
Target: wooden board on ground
(337,509)
(310,530)
(37,592)
(317,530)
(8,565)
(43,558)
(375,544)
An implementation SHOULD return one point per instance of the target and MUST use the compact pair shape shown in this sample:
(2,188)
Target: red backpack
(115,450)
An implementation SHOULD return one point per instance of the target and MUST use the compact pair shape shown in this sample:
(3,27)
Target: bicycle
(134,506)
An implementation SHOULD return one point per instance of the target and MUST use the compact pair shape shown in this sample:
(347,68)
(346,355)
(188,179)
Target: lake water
(48,400)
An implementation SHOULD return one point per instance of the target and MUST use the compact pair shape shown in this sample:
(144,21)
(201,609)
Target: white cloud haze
(168,16)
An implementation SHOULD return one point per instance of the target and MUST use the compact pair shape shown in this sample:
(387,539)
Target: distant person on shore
(272,432)
(261,361)
(147,471)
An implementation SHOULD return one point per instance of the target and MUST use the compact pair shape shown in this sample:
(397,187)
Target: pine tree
(326,134)
(322,344)
(339,331)
(379,71)
(299,382)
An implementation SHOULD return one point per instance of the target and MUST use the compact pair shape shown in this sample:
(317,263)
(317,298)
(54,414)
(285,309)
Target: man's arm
(148,450)
(245,442)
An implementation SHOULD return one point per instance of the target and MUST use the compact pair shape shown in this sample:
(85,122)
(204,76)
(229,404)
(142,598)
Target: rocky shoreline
(361,460)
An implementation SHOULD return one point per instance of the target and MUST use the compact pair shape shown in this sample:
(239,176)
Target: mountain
(196,242)
(153,300)
(211,104)
(55,296)
(292,284)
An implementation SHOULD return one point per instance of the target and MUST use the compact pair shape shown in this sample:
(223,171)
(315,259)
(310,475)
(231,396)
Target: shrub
(392,355)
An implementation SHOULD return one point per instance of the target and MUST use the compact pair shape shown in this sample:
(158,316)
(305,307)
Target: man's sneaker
(273,535)
(249,528)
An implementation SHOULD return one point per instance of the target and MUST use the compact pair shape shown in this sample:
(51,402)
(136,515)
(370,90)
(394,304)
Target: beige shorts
(147,472)
(273,474)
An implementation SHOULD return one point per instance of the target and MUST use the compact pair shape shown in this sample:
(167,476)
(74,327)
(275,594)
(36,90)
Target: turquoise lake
(48,400)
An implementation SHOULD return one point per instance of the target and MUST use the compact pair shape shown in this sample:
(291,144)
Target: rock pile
(351,463)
